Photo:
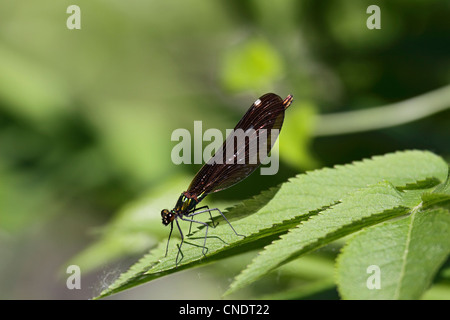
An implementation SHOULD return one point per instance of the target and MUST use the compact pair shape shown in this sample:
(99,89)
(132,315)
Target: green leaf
(440,195)
(272,213)
(361,208)
(445,186)
(408,252)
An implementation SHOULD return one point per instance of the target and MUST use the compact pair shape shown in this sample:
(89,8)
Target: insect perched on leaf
(232,163)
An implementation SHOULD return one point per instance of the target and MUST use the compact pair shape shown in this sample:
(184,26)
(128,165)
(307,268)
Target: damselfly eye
(167,217)
(164,213)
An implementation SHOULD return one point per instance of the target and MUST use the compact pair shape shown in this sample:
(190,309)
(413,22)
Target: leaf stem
(385,116)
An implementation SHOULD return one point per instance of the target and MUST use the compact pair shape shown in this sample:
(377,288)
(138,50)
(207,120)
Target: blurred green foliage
(86,115)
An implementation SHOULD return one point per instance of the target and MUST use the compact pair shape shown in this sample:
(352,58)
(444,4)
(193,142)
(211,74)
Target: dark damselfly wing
(222,172)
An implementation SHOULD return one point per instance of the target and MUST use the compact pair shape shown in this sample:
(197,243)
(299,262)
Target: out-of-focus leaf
(347,22)
(253,65)
(135,228)
(30,91)
(135,139)
(296,136)
(23,202)
(438,292)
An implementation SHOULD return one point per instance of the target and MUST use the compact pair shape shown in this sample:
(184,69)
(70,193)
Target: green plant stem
(385,116)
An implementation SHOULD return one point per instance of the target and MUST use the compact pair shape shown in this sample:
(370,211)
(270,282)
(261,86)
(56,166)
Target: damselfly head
(167,216)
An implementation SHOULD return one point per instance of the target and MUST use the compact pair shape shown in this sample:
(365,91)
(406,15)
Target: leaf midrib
(414,211)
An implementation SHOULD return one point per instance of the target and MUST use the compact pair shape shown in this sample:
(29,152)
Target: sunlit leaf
(270,214)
